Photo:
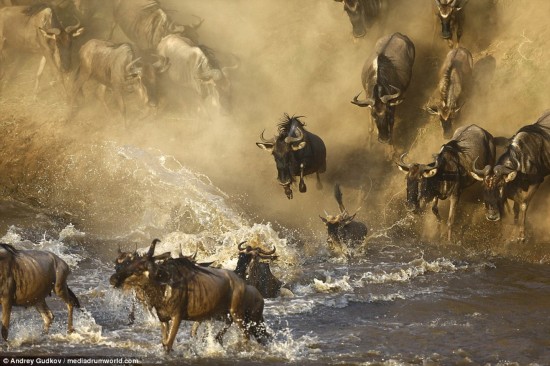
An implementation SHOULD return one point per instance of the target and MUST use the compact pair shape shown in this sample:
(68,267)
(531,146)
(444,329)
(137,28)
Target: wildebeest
(36,28)
(27,277)
(455,80)
(145,23)
(449,174)
(180,290)
(385,78)
(116,66)
(197,72)
(361,14)
(253,267)
(451,15)
(297,152)
(342,229)
(518,172)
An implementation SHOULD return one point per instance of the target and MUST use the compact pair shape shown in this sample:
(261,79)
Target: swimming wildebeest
(361,14)
(518,172)
(253,267)
(36,29)
(385,78)
(449,174)
(145,22)
(115,66)
(297,152)
(180,290)
(342,229)
(27,277)
(455,81)
(451,15)
(197,73)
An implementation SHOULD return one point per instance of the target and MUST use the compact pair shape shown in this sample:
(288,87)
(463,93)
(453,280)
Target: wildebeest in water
(361,14)
(297,152)
(449,174)
(27,277)
(454,84)
(253,267)
(385,77)
(36,29)
(518,172)
(179,290)
(342,229)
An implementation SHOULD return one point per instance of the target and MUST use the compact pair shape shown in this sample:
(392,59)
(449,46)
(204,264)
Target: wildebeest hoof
(303,188)
(288,192)
(70,330)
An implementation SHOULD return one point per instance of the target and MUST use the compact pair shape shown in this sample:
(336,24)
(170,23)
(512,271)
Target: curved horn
(354,8)
(263,252)
(369,102)
(299,137)
(517,163)
(198,23)
(402,163)
(386,98)
(72,28)
(483,172)
(131,64)
(240,246)
(151,250)
(235,66)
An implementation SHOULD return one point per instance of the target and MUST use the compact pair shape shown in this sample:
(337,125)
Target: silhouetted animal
(253,267)
(361,14)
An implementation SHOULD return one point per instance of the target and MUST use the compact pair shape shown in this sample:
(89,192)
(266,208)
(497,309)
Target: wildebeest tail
(73,298)
(338,196)
(502,141)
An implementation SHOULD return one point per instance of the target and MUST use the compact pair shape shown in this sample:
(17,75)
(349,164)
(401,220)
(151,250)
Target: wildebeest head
(446,10)
(187,31)
(356,12)
(494,181)
(148,80)
(335,224)
(133,269)
(446,114)
(216,81)
(249,256)
(291,138)
(416,175)
(59,42)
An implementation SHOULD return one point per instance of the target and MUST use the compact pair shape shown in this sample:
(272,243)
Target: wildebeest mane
(387,72)
(286,124)
(210,55)
(10,248)
(176,263)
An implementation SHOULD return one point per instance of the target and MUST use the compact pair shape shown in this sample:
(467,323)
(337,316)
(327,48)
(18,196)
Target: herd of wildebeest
(163,51)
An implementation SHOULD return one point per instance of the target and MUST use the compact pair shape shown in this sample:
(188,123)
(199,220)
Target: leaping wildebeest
(451,15)
(361,14)
(179,290)
(449,174)
(116,66)
(385,78)
(297,152)
(27,277)
(518,172)
(253,267)
(145,23)
(454,84)
(342,229)
(197,72)
(36,28)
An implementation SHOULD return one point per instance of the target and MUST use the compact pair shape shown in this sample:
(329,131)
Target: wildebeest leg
(319,184)
(81,77)
(525,198)
(516,212)
(63,291)
(302,185)
(195,328)
(452,214)
(226,325)
(39,76)
(164,327)
(47,315)
(176,320)
(132,316)
(101,89)
(435,209)
(6,314)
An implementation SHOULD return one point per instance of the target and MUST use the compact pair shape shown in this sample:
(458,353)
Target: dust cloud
(296,57)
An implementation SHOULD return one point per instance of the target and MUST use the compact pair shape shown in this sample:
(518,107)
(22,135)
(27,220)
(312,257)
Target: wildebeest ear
(268,146)
(300,146)
(510,176)
(476,177)
(77,32)
(430,173)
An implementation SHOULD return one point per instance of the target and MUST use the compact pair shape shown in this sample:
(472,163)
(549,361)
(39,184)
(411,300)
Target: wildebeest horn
(234,66)
(197,24)
(72,28)
(386,98)
(261,251)
(369,102)
(402,163)
(299,137)
(152,248)
(481,173)
(131,64)
(119,250)
(240,246)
